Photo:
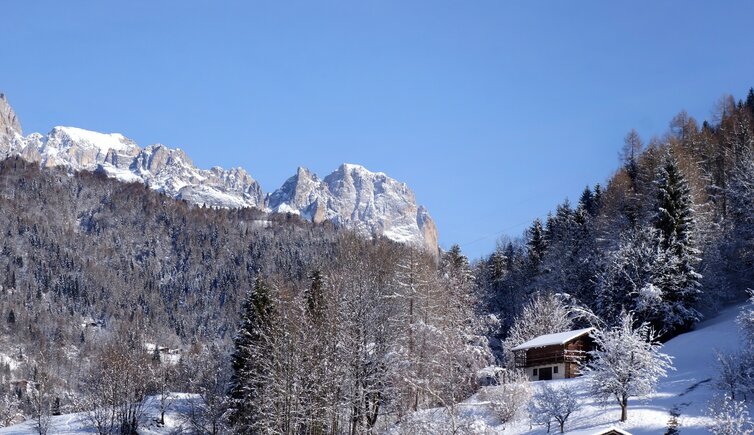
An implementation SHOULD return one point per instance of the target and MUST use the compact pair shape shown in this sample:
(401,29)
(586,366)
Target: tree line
(669,237)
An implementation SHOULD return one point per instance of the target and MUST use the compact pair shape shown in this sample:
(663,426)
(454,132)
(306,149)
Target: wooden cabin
(554,356)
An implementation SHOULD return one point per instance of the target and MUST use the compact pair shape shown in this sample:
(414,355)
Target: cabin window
(535,372)
(555,369)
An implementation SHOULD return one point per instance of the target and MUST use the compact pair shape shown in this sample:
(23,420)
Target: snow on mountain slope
(352,196)
(688,389)
(369,202)
(163,169)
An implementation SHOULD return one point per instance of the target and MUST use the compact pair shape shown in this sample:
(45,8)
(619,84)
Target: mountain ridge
(370,203)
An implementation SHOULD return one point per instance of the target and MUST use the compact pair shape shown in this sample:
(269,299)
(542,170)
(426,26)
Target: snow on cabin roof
(613,429)
(553,339)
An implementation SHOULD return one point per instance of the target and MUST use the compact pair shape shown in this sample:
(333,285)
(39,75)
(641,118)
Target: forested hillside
(97,274)
(669,236)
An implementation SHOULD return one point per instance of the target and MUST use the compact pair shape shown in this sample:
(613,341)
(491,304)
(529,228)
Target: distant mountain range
(371,203)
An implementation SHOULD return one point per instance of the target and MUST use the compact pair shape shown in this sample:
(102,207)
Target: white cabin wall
(559,375)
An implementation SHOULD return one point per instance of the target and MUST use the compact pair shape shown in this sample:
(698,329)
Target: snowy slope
(688,389)
(78,424)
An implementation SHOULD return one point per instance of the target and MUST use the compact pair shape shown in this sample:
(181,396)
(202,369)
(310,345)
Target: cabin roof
(613,429)
(553,339)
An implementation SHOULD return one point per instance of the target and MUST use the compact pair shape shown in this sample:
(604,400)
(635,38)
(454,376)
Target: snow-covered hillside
(369,202)
(688,390)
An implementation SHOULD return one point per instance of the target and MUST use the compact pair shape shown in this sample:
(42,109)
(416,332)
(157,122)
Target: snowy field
(688,390)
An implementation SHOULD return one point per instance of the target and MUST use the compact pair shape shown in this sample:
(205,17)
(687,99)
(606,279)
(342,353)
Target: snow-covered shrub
(10,410)
(553,404)
(509,399)
(730,417)
(451,420)
(735,373)
(736,369)
(489,375)
(423,423)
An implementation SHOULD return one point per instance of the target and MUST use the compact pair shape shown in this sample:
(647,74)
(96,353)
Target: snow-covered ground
(75,424)
(688,390)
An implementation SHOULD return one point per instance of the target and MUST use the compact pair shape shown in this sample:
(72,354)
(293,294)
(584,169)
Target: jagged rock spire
(352,196)
(10,127)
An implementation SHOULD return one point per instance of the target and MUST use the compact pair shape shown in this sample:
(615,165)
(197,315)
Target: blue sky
(493,112)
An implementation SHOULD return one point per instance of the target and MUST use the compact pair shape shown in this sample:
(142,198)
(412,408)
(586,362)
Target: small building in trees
(554,356)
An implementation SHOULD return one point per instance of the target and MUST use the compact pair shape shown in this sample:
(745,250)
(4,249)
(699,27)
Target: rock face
(161,168)
(10,127)
(369,202)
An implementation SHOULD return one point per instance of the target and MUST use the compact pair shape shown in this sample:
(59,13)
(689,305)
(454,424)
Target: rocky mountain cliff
(352,196)
(369,202)
(10,127)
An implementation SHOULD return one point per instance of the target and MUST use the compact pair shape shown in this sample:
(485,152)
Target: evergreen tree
(750,101)
(586,202)
(597,200)
(536,245)
(497,266)
(247,381)
(675,274)
(455,259)
(315,303)
(561,225)
(55,409)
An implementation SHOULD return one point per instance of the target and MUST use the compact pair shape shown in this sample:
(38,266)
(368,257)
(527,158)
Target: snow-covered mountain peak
(370,202)
(165,169)
(359,171)
(303,172)
(352,196)
(104,142)
(353,167)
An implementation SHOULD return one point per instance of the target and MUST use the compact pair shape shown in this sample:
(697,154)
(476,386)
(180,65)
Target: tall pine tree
(248,360)
(536,245)
(676,277)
